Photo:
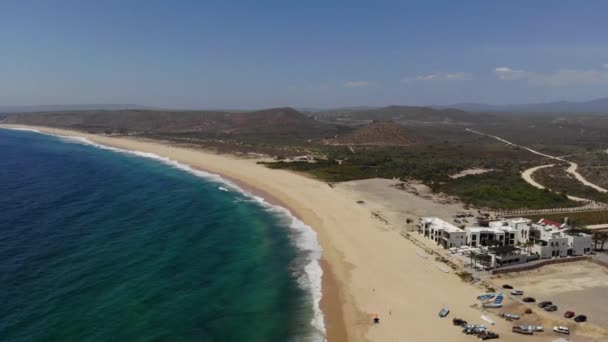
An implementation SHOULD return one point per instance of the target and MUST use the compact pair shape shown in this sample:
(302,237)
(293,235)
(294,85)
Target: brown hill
(275,121)
(379,133)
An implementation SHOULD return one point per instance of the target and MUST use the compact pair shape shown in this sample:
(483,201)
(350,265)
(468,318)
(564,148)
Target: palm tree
(473,256)
(597,237)
(603,237)
(528,246)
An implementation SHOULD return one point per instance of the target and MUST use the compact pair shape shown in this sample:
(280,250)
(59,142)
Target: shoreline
(330,304)
(370,266)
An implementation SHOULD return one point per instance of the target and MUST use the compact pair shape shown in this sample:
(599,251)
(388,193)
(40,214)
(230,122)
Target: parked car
(534,328)
(459,322)
(561,330)
(529,300)
(507,286)
(444,312)
(488,335)
(517,292)
(550,308)
(522,330)
(478,328)
(509,317)
(580,318)
(544,303)
(473,329)
(569,314)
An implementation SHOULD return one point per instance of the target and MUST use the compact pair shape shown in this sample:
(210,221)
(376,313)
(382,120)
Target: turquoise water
(98,244)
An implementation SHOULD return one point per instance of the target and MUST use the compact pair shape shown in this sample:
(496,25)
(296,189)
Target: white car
(535,328)
(561,330)
(517,292)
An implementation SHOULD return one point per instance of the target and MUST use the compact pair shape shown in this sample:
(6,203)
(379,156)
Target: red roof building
(552,223)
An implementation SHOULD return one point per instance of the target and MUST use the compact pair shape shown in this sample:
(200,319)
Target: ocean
(100,244)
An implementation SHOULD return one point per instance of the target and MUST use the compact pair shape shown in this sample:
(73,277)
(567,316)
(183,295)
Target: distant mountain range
(401,114)
(273,121)
(57,108)
(597,106)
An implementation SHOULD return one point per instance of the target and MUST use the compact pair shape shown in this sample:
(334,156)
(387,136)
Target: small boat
(499,298)
(486,296)
(492,305)
(509,317)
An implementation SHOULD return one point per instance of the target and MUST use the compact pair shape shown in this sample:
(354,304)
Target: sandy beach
(369,266)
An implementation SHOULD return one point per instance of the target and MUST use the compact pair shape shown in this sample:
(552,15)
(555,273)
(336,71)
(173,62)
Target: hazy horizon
(215,55)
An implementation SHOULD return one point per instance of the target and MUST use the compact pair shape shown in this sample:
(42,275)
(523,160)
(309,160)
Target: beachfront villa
(442,232)
(505,239)
(551,242)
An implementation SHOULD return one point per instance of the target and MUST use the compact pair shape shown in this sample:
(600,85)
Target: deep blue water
(98,245)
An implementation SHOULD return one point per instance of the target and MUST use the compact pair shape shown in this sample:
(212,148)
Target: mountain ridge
(595,106)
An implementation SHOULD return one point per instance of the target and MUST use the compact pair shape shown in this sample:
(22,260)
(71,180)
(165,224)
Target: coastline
(369,266)
(330,303)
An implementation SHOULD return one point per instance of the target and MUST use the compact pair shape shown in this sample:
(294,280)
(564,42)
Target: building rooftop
(441,224)
(552,223)
(485,229)
(519,220)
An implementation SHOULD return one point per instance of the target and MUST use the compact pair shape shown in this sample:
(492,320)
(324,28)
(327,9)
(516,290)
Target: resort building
(443,233)
(548,242)
(507,255)
(555,242)
(521,226)
(579,243)
(511,241)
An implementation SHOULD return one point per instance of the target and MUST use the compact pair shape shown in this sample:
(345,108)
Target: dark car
(580,318)
(469,330)
(569,314)
(550,308)
(459,322)
(523,331)
(529,300)
(545,303)
(488,335)
(507,286)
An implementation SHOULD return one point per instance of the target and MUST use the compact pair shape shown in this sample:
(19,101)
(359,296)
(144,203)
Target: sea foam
(305,237)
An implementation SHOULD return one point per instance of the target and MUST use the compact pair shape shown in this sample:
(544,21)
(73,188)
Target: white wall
(580,243)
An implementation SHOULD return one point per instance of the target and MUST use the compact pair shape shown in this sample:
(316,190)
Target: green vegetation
(502,190)
(594,166)
(465,276)
(379,162)
(557,179)
(438,145)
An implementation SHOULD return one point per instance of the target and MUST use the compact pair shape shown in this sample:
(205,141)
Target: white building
(522,229)
(442,232)
(578,243)
(548,241)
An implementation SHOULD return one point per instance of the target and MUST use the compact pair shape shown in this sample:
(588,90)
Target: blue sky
(253,54)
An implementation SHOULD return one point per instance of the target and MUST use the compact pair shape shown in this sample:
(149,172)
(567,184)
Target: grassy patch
(503,190)
(557,179)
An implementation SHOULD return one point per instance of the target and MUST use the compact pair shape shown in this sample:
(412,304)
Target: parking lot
(580,287)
